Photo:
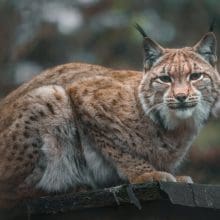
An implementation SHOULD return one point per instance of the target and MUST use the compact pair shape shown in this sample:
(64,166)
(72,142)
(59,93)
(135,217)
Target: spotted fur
(85,126)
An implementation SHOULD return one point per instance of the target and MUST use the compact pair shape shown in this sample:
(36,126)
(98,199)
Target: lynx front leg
(184,179)
(161,176)
(154,176)
(137,170)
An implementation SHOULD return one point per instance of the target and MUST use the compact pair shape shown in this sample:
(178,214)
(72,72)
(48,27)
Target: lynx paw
(154,176)
(184,179)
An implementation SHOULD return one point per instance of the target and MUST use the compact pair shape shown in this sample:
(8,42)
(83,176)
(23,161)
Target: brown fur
(93,117)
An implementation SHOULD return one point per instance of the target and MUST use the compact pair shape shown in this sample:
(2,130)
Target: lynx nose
(181,97)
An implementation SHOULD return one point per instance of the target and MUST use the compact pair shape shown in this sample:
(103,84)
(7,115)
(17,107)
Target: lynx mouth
(182,106)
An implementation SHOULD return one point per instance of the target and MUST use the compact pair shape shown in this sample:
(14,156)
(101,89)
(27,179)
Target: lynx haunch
(80,126)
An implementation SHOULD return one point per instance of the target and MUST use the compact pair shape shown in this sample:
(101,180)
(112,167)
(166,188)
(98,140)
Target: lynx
(80,126)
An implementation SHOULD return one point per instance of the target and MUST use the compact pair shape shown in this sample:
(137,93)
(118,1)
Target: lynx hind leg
(48,113)
(59,155)
(36,115)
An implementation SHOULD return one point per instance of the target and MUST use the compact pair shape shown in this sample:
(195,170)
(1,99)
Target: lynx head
(179,84)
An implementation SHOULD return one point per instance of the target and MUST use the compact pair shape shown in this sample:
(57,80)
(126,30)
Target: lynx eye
(165,78)
(195,76)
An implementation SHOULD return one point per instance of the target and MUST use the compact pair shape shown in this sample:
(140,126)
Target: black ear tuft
(212,25)
(140,30)
(152,50)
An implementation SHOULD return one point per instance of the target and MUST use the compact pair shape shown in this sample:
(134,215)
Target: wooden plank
(193,198)
(193,195)
(189,195)
(115,196)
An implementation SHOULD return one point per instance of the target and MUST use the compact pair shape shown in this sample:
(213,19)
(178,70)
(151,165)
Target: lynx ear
(206,47)
(152,52)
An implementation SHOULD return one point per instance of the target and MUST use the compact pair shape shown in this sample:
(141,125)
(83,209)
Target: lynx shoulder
(80,126)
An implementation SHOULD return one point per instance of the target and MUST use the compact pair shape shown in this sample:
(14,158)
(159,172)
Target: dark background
(35,35)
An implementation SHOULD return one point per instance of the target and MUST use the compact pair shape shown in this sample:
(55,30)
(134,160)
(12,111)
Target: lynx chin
(78,126)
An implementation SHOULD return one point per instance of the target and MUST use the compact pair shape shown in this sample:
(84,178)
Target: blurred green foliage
(35,35)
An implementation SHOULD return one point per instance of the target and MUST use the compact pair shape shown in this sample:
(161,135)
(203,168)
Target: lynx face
(179,84)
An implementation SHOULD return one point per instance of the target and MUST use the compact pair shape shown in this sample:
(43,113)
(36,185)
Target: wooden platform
(131,202)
